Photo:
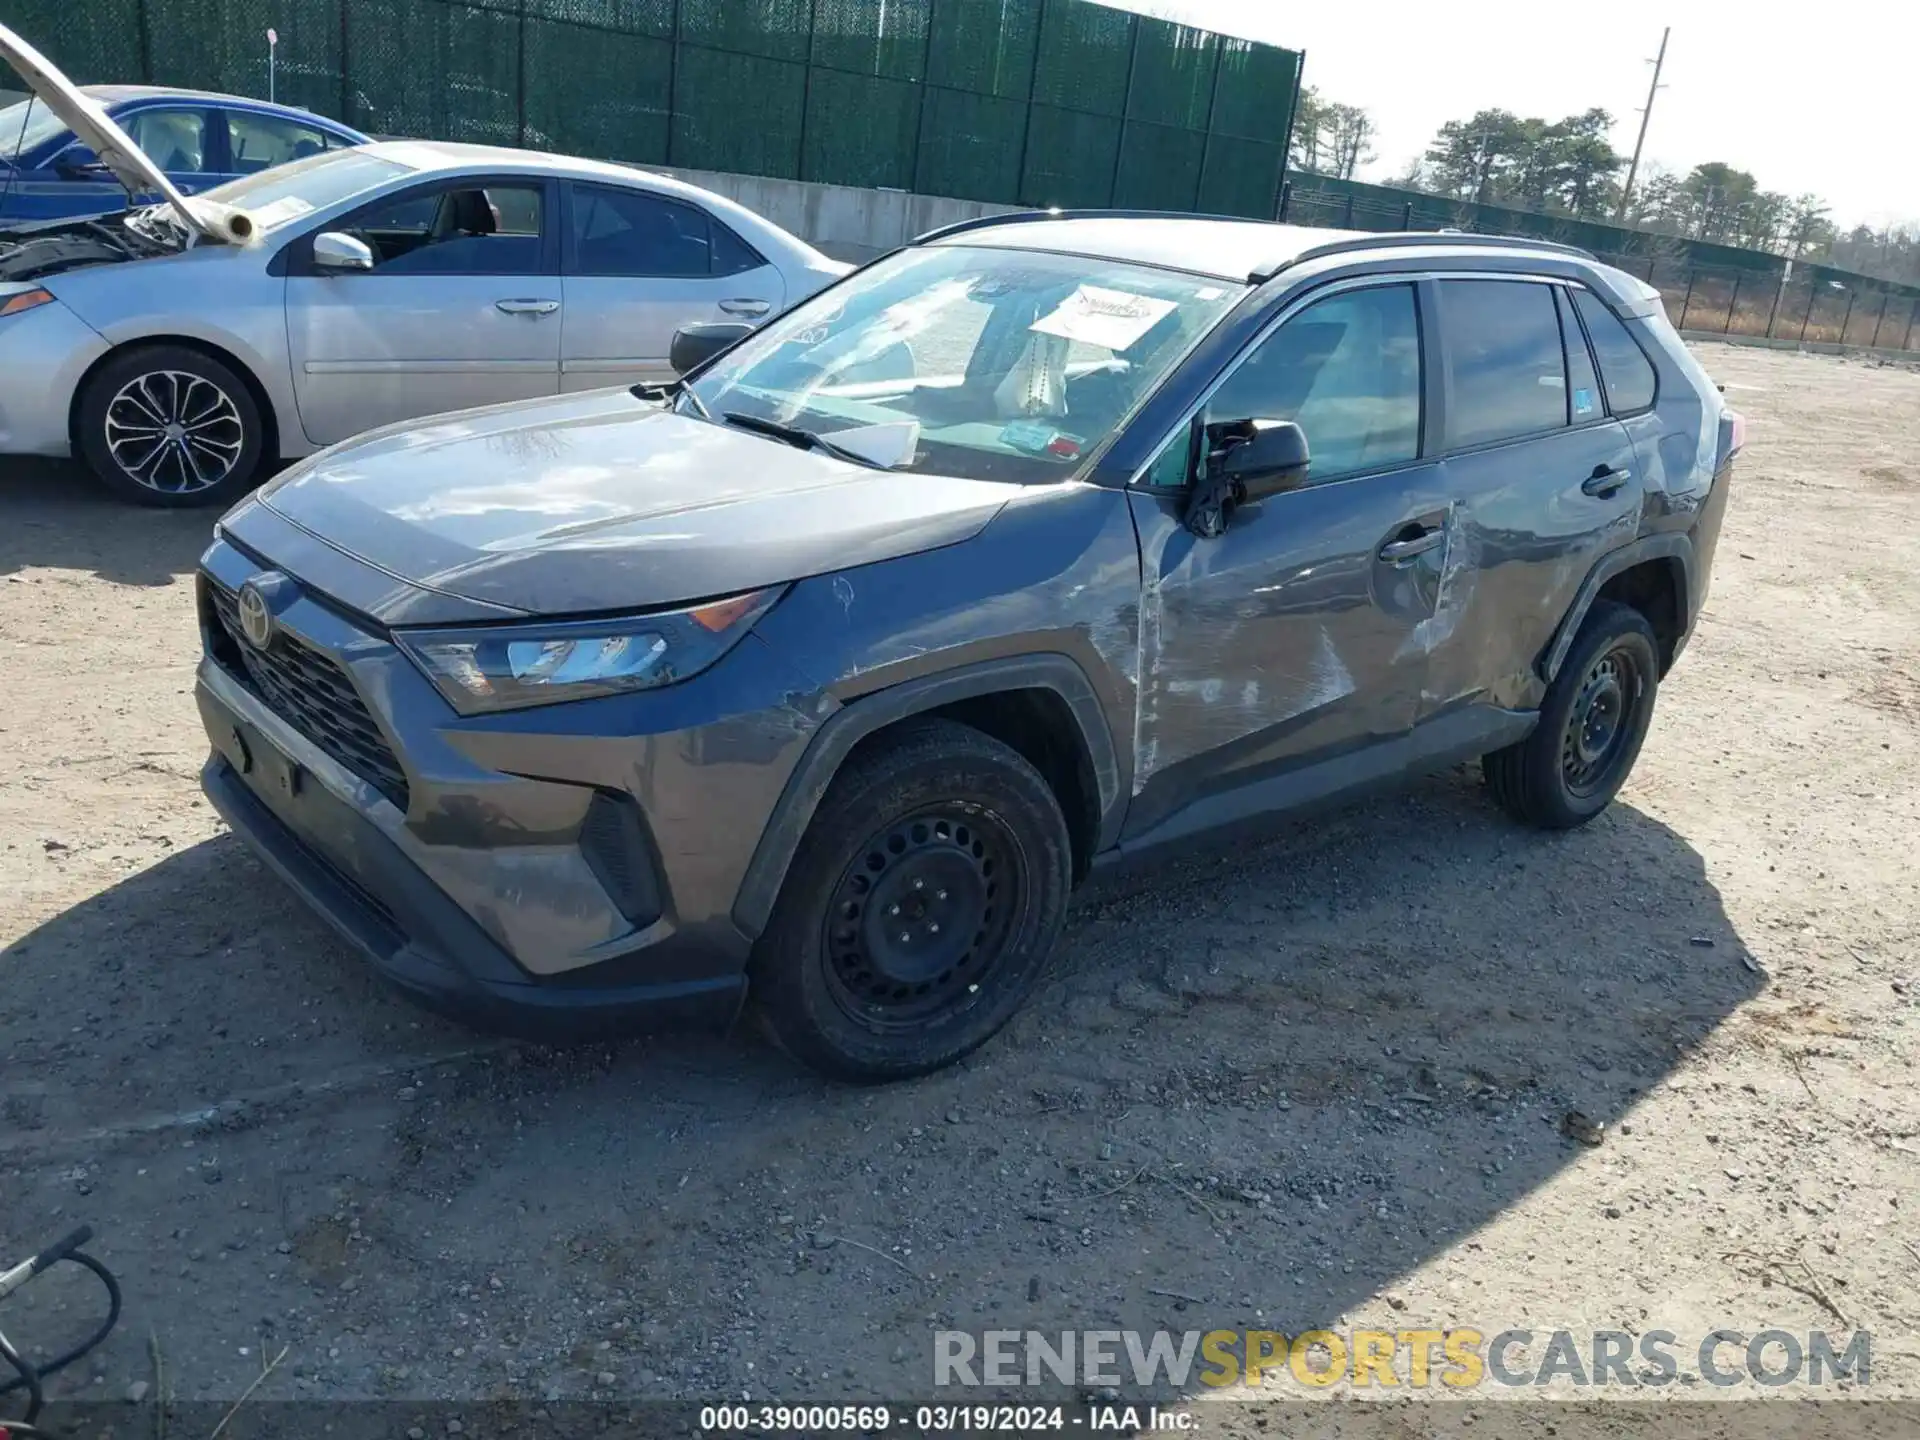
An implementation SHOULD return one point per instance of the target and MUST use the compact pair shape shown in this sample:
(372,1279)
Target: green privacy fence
(1713,289)
(1042,102)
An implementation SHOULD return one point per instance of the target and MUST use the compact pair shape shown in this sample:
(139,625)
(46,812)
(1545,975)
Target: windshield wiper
(794,435)
(671,391)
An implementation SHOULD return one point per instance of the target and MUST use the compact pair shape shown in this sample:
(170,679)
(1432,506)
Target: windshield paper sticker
(1114,319)
(287,207)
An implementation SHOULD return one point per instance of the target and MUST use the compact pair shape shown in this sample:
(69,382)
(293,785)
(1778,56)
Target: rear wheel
(1592,723)
(167,426)
(920,908)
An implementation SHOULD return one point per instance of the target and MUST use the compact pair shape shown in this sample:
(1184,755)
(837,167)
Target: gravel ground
(1316,1082)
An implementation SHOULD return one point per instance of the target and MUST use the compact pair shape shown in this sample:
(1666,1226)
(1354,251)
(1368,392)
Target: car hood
(92,126)
(601,502)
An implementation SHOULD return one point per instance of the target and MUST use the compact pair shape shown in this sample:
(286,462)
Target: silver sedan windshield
(283,194)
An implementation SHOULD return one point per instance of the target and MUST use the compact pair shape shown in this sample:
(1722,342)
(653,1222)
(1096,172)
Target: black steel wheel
(1592,722)
(921,916)
(919,909)
(1597,726)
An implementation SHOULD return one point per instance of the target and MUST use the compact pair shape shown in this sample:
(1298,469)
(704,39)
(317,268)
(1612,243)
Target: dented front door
(1298,634)
(1303,631)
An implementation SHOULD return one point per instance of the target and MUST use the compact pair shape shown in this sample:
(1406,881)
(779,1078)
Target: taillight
(1739,439)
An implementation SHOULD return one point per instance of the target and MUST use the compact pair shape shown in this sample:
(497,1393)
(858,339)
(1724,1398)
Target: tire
(939,824)
(1592,722)
(212,460)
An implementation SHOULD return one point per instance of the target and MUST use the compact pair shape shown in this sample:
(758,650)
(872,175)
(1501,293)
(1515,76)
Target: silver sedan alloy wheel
(174,432)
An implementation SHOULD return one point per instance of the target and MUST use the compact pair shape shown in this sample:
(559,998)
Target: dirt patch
(1320,1081)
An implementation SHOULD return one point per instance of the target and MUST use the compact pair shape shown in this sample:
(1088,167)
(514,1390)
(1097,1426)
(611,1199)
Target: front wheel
(920,908)
(167,426)
(1592,723)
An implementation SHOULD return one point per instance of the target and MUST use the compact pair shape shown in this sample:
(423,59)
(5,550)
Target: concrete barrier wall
(846,222)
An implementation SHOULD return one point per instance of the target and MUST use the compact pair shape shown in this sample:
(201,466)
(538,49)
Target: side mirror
(78,162)
(1244,460)
(1262,457)
(697,343)
(336,250)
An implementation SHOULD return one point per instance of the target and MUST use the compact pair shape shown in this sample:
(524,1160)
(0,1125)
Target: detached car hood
(92,126)
(599,502)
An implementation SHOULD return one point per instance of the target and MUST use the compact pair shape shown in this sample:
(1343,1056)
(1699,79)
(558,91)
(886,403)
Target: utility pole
(1633,169)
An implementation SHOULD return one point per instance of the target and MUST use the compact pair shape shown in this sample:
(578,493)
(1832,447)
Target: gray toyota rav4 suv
(814,681)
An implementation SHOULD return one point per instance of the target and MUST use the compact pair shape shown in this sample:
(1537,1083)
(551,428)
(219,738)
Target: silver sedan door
(460,307)
(639,266)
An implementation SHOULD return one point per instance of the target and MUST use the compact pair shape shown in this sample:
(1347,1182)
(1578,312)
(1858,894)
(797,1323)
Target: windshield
(41,126)
(990,364)
(283,194)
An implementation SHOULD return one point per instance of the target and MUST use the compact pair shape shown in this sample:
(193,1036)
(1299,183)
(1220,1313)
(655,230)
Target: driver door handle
(1604,482)
(1400,552)
(526,307)
(744,307)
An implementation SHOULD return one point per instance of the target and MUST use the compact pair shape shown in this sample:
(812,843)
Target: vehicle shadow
(59,517)
(1259,1088)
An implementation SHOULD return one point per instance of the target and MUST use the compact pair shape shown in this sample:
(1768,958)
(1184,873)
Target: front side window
(491,230)
(1625,370)
(1508,369)
(260,142)
(1346,370)
(175,140)
(988,363)
(628,232)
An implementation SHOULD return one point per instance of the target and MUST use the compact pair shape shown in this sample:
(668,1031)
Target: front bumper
(421,942)
(555,872)
(43,354)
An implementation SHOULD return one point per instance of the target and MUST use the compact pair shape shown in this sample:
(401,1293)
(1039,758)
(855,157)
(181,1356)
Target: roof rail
(1024,217)
(1400,239)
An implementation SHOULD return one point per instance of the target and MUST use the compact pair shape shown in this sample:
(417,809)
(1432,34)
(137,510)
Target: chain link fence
(1771,299)
(1026,102)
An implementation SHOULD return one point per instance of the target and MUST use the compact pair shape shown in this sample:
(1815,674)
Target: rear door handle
(1604,482)
(526,307)
(1400,552)
(744,307)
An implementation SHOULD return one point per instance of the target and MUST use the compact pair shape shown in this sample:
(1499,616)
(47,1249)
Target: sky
(1803,105)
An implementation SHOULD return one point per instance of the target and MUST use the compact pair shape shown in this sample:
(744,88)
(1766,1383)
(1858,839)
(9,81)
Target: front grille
(308,691)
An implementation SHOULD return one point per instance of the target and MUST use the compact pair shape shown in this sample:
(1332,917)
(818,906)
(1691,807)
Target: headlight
(508,667)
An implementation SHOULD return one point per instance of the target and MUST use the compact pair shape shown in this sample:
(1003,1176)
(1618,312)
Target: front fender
(852,723)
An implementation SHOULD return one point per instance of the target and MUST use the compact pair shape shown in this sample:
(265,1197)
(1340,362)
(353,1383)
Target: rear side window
(628,232)
(1503,347)
(1625,370)
(260,142)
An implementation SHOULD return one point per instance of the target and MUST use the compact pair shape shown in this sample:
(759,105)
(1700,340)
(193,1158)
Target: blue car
(200,140)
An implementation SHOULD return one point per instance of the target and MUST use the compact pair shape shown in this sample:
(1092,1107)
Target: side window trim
(1418,282)
(1570,316)
(1594,351)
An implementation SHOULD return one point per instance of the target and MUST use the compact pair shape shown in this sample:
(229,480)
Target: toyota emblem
(256,616)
